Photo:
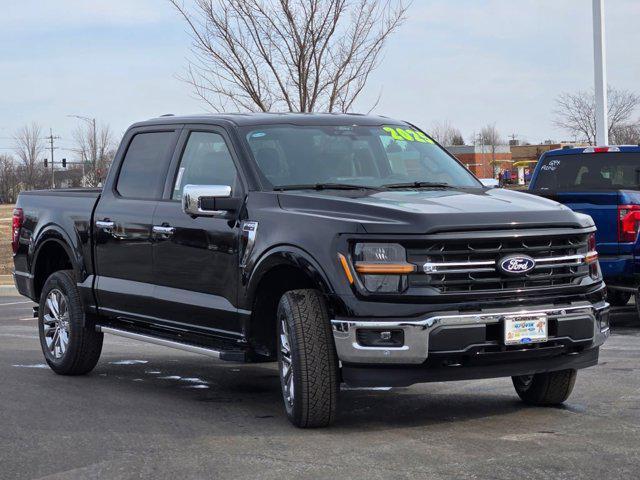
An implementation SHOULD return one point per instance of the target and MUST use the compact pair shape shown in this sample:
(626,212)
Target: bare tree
(9,183)
(575,112)
(446,134)
(29,146)
(286,55)
(457,139)
(95,148)
(490,137)
(626,134)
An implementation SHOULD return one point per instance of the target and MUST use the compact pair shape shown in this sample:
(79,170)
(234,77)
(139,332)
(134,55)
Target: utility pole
(94,136)
(600,70)
(51,138)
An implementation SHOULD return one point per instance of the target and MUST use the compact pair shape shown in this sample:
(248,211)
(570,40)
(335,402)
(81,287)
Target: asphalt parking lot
(151,412)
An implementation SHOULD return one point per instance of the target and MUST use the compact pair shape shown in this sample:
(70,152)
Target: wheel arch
(52,252)
(278,270)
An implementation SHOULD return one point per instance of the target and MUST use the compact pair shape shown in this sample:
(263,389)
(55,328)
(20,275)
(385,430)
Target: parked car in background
(603,182)
(349,248)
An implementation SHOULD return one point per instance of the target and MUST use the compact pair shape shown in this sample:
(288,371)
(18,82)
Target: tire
(545,389)
(69,347)
(618,298)
(307,360)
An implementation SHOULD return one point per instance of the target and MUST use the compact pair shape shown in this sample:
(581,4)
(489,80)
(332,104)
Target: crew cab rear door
(123,222)
(195,259)
(591,183)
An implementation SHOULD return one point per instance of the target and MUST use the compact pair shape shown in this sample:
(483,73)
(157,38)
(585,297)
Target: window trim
(179,151)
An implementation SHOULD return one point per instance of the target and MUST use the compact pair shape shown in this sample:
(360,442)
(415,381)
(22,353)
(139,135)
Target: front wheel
(307,359)
(69,347)
(545,389)
(618,298)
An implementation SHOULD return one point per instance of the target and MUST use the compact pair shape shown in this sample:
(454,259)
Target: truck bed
(62,215)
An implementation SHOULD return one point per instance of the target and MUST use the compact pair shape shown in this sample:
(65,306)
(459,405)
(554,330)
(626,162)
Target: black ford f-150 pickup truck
(349,248)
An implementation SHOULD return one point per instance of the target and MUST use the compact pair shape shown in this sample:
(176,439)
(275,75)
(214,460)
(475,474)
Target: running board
(228,355)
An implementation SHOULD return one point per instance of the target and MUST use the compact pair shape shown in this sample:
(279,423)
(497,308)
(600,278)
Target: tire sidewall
(294,410)
(61,281)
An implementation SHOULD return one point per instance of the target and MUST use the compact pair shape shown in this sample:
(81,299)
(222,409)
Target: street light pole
(600,69)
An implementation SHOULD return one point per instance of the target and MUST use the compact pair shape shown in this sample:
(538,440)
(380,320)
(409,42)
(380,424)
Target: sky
(467,62)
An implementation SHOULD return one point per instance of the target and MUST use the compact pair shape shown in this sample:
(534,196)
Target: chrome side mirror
(207,200)
(490,182)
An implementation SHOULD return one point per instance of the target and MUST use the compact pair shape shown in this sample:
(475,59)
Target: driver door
(195,260)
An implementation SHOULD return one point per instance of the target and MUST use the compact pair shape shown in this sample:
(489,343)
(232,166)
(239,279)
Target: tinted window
(144,166)
(369,156)
(206,161)
(589,171)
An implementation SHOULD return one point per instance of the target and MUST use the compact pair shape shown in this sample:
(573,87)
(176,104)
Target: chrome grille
(459,266)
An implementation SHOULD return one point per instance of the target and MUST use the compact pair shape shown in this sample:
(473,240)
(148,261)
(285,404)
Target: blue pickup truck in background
(603,182)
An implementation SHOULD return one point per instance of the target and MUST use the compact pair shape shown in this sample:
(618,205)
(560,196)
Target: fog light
(380,338)
(604,321)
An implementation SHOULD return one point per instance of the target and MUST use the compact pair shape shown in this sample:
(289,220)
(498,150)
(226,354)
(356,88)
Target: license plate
(525,329)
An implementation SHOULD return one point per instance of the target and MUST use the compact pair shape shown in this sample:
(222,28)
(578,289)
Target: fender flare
(55,234)
(289,255)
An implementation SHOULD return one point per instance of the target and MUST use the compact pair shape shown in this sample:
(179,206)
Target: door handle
(105,224)
(163,230)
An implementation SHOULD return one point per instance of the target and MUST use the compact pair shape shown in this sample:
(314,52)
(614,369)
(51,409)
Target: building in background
(480,158)
(514,162)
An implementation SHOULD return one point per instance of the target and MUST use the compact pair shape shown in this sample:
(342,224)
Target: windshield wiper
(418,185)
(324,186)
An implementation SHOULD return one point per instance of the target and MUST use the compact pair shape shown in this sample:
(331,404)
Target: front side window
(375,156)
(144,166)
(206,161)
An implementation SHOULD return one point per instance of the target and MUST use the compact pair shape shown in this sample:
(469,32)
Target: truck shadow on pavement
(250,394)
(193,387)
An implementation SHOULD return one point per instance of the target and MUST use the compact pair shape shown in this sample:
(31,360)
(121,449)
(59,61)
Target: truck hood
(429,211)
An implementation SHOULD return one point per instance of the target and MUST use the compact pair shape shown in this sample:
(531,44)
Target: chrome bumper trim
(416,332)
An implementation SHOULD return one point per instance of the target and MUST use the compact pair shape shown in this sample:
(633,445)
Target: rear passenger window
(206,161)
(143,170)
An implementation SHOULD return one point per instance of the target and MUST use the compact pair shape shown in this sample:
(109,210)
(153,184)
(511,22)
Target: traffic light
(64,163)
(46,163)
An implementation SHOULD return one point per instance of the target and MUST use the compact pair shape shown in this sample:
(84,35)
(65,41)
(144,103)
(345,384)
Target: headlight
(382,267)
(592,258)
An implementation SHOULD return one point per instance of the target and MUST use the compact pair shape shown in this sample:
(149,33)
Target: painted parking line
(14,303)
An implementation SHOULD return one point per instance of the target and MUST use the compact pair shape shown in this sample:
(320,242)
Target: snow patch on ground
(194,380)
(36,365)
(129,362)
(380,389)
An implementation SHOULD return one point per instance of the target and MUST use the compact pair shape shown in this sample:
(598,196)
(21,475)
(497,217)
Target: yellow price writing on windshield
(407,135)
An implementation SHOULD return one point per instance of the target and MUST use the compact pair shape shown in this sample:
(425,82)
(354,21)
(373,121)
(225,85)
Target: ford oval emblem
(516,264)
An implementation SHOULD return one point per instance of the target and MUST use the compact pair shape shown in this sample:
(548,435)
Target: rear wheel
(69,347)
(307,359)
(545,389)
(618,298)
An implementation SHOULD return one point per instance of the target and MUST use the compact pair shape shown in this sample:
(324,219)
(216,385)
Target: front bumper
(457,337)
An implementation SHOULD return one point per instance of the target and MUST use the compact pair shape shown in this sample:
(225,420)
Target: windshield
(600,171)
(289,155)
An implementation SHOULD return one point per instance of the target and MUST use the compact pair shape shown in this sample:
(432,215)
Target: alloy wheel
(286,367)
(56,323)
